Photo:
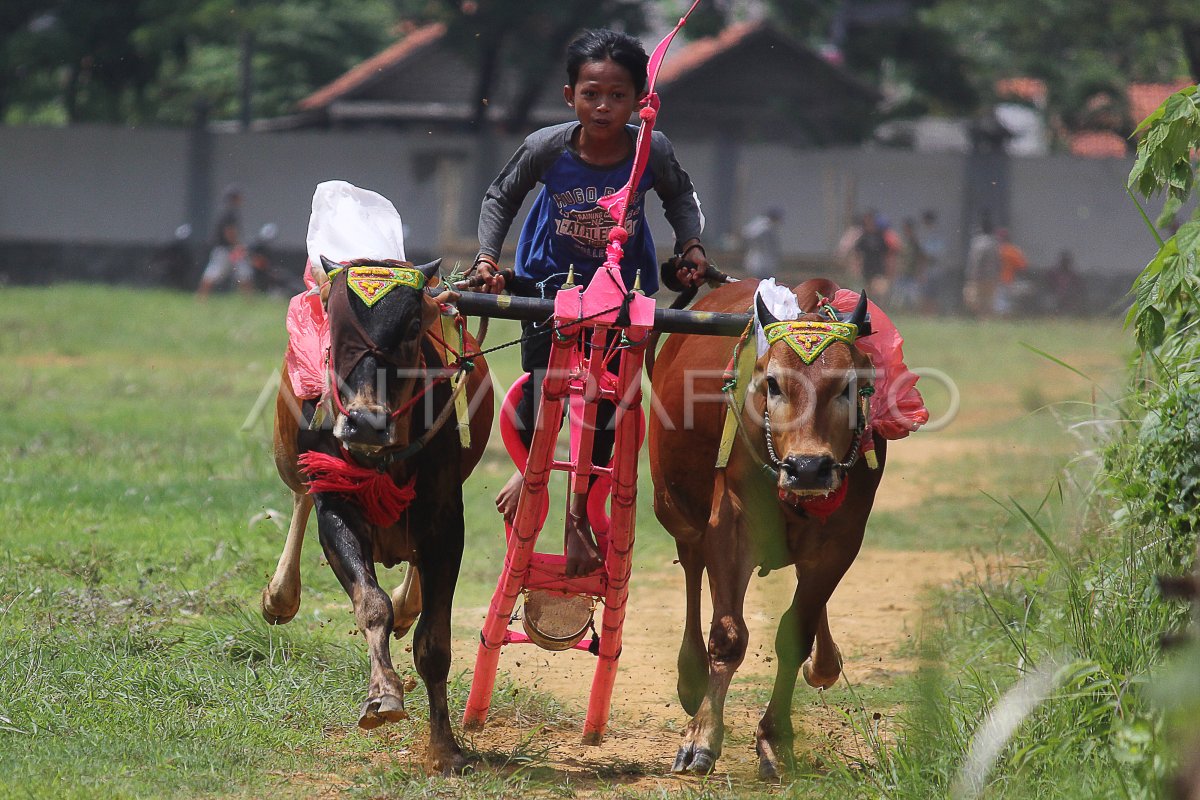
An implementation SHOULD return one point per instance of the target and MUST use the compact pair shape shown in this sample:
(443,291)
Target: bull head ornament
(809,338)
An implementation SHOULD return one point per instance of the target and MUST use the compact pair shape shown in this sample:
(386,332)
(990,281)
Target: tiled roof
(699,52)
(679,64)
(1098,144)
(1032,90)
(703,51)
(1145,97)
(364,72)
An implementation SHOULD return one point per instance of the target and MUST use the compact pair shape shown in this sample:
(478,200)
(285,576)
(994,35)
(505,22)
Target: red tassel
(381,499)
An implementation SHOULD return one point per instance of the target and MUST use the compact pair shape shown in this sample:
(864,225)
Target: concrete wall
(91,184)
(128,187)
(1063,203)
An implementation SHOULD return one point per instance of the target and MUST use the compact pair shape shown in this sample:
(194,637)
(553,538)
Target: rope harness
(808,339)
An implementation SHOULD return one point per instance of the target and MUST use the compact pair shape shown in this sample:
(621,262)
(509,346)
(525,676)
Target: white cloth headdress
(348,222)
(780,301)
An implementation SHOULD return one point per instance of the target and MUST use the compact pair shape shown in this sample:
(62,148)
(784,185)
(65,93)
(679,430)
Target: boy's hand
(693,264)
(492,277)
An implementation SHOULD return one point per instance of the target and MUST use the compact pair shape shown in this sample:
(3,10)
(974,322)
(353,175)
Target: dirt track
(872,615)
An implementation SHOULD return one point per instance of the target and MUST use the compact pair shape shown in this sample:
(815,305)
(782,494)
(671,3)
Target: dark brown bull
(752,514)
(383,356)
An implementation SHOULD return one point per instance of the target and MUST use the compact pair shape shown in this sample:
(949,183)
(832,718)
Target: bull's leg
(350,556)
(729,567)
(823,668)
(693,656)
(281,597)
(406,602)
(793,644)
(431,640)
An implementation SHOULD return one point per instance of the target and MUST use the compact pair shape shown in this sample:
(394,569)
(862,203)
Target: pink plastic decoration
(896,407)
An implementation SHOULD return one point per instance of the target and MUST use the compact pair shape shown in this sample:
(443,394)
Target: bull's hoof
(446,764)
(377,711)
(401,627)
(820,681)
(275,614)
(769,768)
(697,760)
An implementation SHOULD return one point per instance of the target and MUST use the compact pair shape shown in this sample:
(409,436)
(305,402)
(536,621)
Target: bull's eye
(414,330)
(773,389)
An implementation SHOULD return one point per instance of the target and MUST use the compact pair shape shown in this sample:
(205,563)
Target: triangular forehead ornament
(372,283)
(809,338)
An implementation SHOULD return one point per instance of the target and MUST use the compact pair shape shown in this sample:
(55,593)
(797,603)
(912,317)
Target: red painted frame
(575,371)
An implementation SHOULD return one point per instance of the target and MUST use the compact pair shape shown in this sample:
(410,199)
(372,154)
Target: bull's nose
(365,427)
(808,472)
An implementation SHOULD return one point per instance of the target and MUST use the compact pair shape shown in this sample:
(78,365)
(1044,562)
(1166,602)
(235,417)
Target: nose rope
(445,375)
(855,443)
(333,389)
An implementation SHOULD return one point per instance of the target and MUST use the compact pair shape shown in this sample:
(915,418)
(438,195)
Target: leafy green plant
(1156,467)
(1168,284)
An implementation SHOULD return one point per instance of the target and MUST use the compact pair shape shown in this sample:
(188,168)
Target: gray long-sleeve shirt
(566,225)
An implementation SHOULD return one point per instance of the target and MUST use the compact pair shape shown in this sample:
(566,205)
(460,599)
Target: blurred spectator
(891,238)
(873,251)
(761,240)
(228,254)
(933,247)
(908,289)
(983,270)
(268,277)
(1066,285)
(847,251)
(1012,262)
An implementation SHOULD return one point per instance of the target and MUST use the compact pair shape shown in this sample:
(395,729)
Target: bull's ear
(765,317)
(431,269)
(859,317)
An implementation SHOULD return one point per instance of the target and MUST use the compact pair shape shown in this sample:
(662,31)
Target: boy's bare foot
(506,501)
(583,557)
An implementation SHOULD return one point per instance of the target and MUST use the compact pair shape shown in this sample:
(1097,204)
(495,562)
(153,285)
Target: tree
(880,41)
(298,46)
(149,61)
(75,59)
(1082,49)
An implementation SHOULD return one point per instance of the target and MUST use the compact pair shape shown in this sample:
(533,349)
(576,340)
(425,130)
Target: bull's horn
(858,317)
(321,271)
(430,269)
(765,317)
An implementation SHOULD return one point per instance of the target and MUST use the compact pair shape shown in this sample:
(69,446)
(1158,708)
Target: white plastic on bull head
(351,223)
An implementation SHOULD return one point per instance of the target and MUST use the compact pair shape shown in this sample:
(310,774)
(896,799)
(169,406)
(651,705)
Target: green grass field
(133,662)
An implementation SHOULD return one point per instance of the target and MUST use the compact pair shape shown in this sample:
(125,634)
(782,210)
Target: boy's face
(604,98)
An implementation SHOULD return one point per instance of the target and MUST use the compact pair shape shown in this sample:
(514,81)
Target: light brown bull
(799,442)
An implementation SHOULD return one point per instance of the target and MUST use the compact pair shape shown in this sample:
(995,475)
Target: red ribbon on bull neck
(617,203)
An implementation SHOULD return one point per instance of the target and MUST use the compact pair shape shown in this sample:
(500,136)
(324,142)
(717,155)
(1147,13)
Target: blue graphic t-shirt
(567,226)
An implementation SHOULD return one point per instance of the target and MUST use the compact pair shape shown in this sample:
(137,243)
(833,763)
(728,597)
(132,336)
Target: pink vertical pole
(531,510)
(619,561)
